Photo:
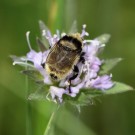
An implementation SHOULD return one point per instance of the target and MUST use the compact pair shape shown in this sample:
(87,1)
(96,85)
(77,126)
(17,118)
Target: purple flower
(51,39)
(88,71)
(84,33)
(102,82)
(37,58)
(75,90)
(56,93)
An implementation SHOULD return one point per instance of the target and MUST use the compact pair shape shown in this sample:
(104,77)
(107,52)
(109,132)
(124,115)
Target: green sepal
(34,75)
(104,38)
(118,88)
(40,94)
(108,65)
(87,96)
(43,38)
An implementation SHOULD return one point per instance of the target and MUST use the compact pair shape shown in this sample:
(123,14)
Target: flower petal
(57,93)
(102,82)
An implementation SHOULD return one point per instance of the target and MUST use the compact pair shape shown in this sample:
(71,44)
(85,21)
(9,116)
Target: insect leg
(43,65)
(76,71)
(82,57)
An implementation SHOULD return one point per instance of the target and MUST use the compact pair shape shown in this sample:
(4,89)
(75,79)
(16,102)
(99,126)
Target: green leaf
(118,88)
(109,64)
(33,74)
(86,96)
(81,100)
(44,40)
(39,94)
(41,45)
(103,39)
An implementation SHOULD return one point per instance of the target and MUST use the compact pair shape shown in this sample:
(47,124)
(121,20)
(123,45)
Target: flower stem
(50,121)
(28,109)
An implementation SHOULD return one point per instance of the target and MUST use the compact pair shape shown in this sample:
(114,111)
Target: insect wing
(60,58)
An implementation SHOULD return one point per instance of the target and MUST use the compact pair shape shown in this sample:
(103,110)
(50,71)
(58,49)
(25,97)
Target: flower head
(87,74)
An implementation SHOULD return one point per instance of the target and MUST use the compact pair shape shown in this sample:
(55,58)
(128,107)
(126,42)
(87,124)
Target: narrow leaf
(103,39)
(44,40)
(109,64)
(33,74)
(39,94)
(41,45)
(15,58)
(43,26)
(81,100)
(86,97)
(118,88)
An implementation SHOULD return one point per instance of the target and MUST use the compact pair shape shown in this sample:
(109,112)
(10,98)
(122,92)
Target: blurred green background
(110,115)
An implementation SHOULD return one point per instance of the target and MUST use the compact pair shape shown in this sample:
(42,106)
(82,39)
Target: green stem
(50,121)
(28,110)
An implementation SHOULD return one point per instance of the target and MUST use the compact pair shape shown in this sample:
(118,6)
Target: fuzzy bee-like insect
(64,56)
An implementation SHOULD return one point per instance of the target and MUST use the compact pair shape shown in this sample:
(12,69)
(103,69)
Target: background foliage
(110,115)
